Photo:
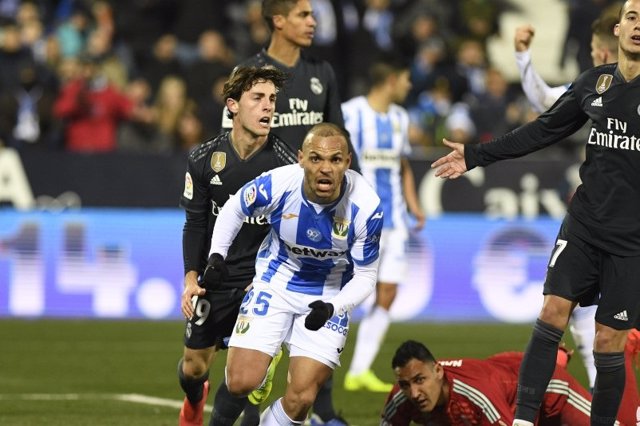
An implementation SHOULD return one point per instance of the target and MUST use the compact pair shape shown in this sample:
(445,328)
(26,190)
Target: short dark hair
(243,79)
(385,65)
(409,350)
(271,8)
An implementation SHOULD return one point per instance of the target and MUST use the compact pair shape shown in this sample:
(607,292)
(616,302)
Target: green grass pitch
(61,372)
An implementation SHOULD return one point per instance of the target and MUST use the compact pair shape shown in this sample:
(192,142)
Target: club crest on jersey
(218,161)
(316,86)
(188,186)
(603,83)
(242,325)
(340,228)
(249,195)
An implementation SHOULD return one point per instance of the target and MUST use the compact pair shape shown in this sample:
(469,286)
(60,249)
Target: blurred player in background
(379,128)
(604,50)
(217,169)
(597,254)
(481,392)
(318,262)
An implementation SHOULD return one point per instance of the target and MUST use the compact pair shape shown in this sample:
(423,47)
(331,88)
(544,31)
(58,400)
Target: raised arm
(538,92)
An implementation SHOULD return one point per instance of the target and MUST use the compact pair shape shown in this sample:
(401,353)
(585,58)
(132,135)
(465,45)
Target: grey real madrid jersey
(309,97)
(214,173)
(607,202)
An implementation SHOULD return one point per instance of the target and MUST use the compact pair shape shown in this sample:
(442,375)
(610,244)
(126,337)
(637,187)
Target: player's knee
(609,340)
(556,313)
(194,366)
(241,382)
(300,402)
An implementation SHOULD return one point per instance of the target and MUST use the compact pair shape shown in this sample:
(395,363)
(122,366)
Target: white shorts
(393,255)
(270,316)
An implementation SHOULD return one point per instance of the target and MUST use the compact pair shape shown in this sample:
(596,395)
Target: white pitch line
(126,397)
(152,400)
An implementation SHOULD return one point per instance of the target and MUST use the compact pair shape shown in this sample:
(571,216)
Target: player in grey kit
(597,251)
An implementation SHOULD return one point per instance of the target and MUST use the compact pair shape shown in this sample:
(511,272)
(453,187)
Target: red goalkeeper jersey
(483,392)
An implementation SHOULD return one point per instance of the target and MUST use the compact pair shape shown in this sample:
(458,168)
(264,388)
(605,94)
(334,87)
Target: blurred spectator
(160,62)
(428,115)
(52,53)
(8,10)
(211,108)
(68,69)
(418,28)
(496,111)
(102,14)
(193,19)
(425,66)
(331,40)
(99,47)
(140,23)
(249,33)
(214,60)
(27,11)
(190,131)
(26,118)
(459,125)
(12,54)
(140,136)
(468,74)
(72,33)
(378,21)
(170,102)
(92,109)
(578,38)
(479,18)
(104,43)
(371,39)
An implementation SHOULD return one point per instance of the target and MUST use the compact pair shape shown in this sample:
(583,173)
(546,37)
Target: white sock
(274,415)
(372,329)
(583,330)
(517,422)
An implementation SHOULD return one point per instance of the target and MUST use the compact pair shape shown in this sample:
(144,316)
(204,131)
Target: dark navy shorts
(583,273)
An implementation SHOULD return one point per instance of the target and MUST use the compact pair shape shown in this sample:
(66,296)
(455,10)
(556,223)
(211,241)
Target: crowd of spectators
(145,76)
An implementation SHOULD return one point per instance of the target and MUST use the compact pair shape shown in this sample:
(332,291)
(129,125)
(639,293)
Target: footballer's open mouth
(265,121)
(324,184)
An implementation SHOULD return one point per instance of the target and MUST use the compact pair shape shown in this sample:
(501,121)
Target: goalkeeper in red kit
(483,392)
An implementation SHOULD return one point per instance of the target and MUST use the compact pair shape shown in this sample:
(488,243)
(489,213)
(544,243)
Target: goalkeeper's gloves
(320,313)
(215,273)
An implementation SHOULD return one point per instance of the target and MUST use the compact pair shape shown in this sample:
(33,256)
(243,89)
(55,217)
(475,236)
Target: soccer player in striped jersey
(319,260)
(379,128)
(464,392)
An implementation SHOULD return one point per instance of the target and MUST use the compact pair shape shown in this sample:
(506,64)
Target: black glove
(320,313)
(215,273)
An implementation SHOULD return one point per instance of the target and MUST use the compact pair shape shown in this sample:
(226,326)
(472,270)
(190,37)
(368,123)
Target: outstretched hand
(452,165)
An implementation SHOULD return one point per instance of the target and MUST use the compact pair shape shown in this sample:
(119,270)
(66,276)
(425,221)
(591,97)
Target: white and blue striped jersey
(381,140)
(311,248)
